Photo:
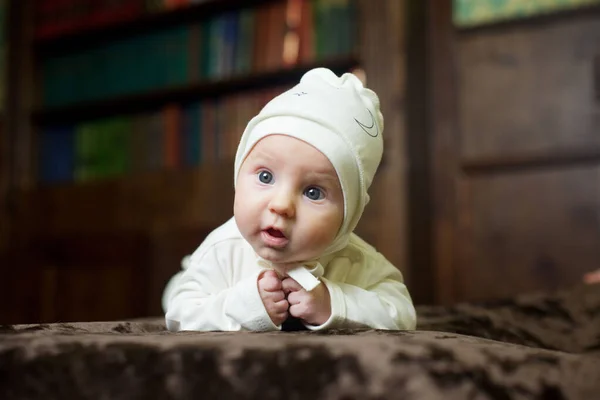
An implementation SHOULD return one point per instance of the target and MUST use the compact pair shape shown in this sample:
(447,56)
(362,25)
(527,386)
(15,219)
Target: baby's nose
(282,203)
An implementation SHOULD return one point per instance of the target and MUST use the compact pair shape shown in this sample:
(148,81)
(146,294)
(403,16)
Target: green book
(245,42)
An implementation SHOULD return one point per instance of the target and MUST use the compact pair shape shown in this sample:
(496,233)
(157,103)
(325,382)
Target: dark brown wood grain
(528,197)
(138,203)
(529,231)
(515,154)
(167,248)
(529,90)
(596,76)
(382,50)
(444,149)
(418,153)
(77,277)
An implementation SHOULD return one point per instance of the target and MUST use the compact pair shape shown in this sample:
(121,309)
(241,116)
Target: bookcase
(174,93)
(126,117)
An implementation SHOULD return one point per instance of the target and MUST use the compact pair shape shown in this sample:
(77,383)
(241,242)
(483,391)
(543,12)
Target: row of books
(173,137)
(54,18)
(249,40)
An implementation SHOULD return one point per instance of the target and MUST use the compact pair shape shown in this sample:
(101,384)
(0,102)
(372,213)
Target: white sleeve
(206,300)
(382,304)
(173,283)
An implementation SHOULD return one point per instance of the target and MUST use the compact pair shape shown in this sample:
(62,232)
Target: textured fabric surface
(540,346)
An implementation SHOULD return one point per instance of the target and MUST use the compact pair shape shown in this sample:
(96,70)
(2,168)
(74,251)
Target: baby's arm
(374,297)
(207,298)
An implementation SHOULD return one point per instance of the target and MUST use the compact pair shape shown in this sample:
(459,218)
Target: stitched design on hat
(369,129)
(299,94)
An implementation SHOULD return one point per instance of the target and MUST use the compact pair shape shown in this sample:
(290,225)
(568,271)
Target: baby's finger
(298,310)
(289,285)
(277,296)
(269,273)
(270,283)
(281,306)
(273,296)
(280,318)
(296,297)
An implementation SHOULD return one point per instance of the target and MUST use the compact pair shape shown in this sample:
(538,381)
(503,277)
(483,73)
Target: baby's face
(288,203)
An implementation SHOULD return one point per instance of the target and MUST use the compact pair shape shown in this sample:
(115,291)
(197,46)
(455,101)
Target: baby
(289,256)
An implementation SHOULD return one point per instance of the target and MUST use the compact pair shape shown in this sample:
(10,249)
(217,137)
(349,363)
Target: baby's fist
(273,297)
(312,307)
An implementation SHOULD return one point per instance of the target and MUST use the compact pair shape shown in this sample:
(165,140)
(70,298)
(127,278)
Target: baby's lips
(276,232)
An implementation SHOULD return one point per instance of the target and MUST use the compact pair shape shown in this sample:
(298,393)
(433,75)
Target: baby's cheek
(241,220)
(318,235)
(328,228)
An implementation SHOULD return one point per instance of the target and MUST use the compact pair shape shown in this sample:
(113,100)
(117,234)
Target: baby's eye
(265,177)
(314,193)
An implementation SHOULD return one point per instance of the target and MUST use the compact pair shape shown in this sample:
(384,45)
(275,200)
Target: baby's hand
(312,307)
(271,293)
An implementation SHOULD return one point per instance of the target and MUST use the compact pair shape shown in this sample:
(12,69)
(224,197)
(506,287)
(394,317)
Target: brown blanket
(541,346)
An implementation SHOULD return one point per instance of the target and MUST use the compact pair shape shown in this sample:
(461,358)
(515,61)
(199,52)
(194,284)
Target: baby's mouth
(274,238)
(276,233)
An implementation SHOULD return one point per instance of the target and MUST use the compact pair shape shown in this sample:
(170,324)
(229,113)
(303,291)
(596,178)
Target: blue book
(229,43)
(57,155)
(191,135)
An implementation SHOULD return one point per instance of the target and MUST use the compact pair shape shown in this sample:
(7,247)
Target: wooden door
(516,154)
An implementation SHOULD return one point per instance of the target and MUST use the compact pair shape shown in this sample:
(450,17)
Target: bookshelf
(185,93)
(185,73)
(166,207)
(138,21)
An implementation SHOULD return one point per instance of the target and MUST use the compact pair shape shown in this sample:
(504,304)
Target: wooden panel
(92,277)
(149,202)
(383,224)
(529,89)
(528,231)
(166,252)
(65,233)
(101,293)
(4,186)
(20,290)
(21,93)
(442,124)
(78,277)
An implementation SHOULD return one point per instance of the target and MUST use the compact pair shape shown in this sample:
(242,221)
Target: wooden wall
(384,223)
(105,250)
(520,192)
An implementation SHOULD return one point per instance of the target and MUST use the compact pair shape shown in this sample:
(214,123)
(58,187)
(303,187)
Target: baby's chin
(282,261)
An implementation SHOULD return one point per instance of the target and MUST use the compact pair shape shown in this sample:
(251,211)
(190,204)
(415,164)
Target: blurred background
(119,121)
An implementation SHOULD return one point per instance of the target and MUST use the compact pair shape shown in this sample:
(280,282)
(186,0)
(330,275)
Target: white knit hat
(339,117)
